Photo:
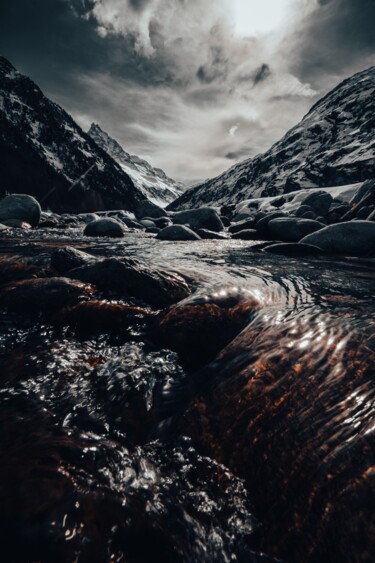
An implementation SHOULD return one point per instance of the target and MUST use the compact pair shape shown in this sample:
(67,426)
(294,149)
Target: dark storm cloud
(262,73)
(337,39)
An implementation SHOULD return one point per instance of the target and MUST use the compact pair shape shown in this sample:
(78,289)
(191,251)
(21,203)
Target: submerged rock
(105,228)
(22,207)
(67,258)
(177,232)
(202,218)
(352,238)
(294,249)
(43,294)
(132,278)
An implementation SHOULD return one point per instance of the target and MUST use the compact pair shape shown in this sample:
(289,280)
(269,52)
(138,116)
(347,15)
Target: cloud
(170,79)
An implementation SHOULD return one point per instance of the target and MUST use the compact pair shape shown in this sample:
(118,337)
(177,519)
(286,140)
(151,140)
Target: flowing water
(254,443)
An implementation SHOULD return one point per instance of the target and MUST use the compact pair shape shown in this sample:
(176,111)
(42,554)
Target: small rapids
(235,425)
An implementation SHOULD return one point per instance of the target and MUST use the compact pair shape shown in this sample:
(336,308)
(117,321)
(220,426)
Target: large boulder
(177,232)
(202,218)
(292,229)
(364,197)
(352,238)
(319,201)
(22,207)
(146,208)
(105,228)
(135,279)
(262,223)
(242,225)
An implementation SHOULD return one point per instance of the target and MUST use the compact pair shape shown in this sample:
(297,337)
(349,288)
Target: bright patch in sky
(255,17)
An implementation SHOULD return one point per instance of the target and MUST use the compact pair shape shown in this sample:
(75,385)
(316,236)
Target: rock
(262,224)
(259,215)
(243,216)
(206,234)
(88,217)
(65,259)
(132,278)
(292,229)
(247,234)
(278,202)
(242,225)
(371,217)
(105,228)
(101,316)
(43,294)
(131,223)
(319,201)
(202,218)
(3,227)
(353,238)
(322,220)
(302,210)
(17,224)
(225,221)
(162,222)
(364,212)
(294,249)
(177,232)
(20,206)
(147,223)
(153,230)
(309,215)
(364,197)
(146,208)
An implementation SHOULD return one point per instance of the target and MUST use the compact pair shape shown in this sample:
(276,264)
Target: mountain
(43,152)
(334,144)
(152,182)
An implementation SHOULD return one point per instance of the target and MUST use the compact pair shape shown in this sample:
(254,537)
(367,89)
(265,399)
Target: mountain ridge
(45,153)
(313,154)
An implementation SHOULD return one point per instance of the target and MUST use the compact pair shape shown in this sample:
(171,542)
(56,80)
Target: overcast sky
(193,86)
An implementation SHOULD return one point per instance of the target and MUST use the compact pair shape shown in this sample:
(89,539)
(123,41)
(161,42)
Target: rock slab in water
(177,232)
(43,294)
(132,278)
(65,259)
(293,229)
(22,207)
(105,228)
(202,218)
(352,238)
(294,249)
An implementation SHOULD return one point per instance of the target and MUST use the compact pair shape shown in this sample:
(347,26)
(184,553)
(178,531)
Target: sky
(192,86)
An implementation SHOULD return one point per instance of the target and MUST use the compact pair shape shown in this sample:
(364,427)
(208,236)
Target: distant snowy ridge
(43,152)
(334,144)
(152,182)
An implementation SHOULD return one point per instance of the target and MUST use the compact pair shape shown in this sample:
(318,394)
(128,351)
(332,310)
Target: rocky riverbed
(189,396)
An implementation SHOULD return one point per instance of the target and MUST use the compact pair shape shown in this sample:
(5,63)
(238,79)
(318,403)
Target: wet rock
(353,238)
(202,218)
(294,249)
(67,258)
(17,224)
(43,294)
(89,317)
(177,232)
(146,208)
(247,234)
(205,324)
(263,222)
(243,216)
(309,215)
(242,225)
(153,230)
(206,234)
(292,229)
(105,228)
(132,278)
(319,201)
(22,207)
(16,268)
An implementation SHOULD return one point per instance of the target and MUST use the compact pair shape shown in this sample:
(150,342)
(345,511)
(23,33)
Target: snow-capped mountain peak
(152,182)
